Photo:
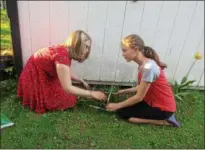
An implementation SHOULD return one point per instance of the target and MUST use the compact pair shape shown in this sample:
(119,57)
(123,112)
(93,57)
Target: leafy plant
(180,89)
(8,86)
(9,70)
(8,73)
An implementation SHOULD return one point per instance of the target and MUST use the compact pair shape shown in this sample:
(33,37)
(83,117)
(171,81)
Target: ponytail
(152,54)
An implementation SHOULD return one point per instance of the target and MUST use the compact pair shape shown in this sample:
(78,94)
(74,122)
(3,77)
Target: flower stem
(191,68)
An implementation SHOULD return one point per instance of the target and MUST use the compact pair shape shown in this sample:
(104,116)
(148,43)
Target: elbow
(68,89)
(139,98)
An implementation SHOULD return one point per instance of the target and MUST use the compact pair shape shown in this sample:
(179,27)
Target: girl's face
(85,49)
(128,53)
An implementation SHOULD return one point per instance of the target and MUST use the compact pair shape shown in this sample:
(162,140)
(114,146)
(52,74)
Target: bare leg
(148,121)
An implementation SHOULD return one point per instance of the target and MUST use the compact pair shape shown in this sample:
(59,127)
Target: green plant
(9,73)
(9,70)
(181,89)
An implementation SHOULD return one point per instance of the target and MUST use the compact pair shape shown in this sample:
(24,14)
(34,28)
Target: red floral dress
(39,86)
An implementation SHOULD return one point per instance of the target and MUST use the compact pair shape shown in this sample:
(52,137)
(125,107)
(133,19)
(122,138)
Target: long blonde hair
(74,43)
(133,41)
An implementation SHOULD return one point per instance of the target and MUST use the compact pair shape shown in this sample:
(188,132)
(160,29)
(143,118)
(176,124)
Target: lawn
(6,42)
(86,127)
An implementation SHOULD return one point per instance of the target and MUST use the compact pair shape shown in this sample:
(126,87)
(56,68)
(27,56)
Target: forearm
(131,90)
(75,77)
(130,101)
(78,91)
(64,76)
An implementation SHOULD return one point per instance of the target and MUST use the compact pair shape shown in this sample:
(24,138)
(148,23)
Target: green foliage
(8,73)
(6,47)
(4,16)
(181,89)
(6,42)
(10,70)
(8,86)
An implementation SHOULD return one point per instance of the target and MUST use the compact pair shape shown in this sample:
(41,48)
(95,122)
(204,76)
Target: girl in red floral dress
(45,82)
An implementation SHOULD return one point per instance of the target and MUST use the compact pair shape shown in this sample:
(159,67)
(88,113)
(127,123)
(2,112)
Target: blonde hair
(134,41)
(74,44)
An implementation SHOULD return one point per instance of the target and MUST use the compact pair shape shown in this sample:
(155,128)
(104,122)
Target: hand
(113,106)
(120,92)
(85,84)
(98,95)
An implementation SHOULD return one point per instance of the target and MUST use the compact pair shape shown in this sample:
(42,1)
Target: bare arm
(132,90)
(75,77)
(64,76)
(141,92)
(129,90)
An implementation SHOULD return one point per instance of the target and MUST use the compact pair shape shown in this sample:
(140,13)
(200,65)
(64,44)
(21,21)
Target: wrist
(126,90)
(91,96)
(120,105)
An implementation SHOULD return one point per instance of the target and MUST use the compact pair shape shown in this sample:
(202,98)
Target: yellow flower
(197,56)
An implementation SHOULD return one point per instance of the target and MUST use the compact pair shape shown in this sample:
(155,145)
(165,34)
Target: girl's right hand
(120,92)
(98,95)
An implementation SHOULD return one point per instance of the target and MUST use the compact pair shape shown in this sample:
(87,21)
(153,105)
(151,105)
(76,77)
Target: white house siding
(175,29)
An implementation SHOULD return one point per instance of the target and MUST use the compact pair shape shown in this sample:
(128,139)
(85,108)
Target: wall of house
(175,29)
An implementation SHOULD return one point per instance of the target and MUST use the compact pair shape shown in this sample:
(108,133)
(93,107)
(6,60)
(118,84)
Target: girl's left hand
(85,84)
(113,106)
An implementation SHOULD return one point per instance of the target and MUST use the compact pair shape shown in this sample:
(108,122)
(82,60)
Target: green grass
(85,127)
(6,42)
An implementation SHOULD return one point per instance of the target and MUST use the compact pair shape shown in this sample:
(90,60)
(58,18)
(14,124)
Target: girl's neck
(142,60)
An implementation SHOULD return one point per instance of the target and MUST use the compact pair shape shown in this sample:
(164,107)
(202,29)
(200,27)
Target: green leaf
(9,69)
(178,97)
(176,87)
(175,83)
(184,79)
(188,83)
(183,93)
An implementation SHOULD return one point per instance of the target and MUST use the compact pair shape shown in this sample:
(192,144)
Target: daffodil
(197,56)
